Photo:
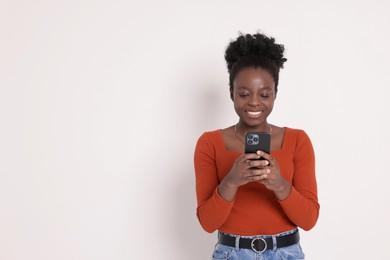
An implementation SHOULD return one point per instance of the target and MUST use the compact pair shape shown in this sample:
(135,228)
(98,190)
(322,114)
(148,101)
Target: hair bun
(254,45)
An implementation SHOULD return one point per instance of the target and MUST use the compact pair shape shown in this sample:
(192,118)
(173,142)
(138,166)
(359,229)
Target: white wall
(101,103)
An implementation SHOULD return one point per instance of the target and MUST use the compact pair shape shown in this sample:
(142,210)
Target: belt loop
(237,243)
(274,243)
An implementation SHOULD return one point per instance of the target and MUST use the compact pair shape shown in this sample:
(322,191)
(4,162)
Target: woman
(255,204)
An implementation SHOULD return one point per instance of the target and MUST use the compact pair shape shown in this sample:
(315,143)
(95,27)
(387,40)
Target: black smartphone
(255,141)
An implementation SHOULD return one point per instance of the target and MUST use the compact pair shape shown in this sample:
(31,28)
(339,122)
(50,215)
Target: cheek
(270,105)
(238,102)
(237,106)
(270,102)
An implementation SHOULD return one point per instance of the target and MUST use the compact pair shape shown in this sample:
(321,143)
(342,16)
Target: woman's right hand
(245,169)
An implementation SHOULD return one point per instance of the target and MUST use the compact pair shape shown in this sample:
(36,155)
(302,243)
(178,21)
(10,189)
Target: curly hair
(258,51)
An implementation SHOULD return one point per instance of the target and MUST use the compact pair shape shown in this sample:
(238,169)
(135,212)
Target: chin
(254,123)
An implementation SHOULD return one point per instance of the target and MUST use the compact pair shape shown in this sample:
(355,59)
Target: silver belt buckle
(253,244)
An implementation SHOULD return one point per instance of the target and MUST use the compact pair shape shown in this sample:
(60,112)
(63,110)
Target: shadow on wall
(193,243)
(205,103)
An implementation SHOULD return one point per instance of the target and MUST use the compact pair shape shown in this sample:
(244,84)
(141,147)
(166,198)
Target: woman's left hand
(274,180)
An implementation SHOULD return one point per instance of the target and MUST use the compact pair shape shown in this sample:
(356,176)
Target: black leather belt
(261,243)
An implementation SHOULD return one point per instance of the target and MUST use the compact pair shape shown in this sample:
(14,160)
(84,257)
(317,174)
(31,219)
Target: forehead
(250,76)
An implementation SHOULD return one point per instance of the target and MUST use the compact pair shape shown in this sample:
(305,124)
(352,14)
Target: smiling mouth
(254,113)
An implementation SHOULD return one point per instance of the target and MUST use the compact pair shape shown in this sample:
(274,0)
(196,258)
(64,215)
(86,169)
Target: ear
(231,95)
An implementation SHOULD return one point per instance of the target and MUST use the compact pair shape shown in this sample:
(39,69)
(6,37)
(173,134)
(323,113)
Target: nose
(254,101)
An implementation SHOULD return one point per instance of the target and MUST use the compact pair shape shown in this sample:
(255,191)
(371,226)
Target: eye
(266,94)
(243,94)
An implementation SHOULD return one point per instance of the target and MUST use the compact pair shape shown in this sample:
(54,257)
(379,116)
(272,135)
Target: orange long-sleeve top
(255,209)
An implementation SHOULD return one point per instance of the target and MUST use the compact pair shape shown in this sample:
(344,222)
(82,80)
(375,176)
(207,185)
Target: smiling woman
(257,201)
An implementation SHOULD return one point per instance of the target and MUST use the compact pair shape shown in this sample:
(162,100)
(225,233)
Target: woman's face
(253,95)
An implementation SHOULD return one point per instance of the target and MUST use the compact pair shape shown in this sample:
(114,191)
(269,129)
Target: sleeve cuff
(221,200)
(290,199)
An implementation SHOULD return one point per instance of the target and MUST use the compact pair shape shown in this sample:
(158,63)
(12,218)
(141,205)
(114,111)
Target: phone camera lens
(255,139)
(250,141)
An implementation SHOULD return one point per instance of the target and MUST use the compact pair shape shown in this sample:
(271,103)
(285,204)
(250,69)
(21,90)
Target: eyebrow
(246,88)
(242,87)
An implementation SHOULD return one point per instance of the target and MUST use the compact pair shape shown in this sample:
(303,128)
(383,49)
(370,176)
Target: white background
(101,104)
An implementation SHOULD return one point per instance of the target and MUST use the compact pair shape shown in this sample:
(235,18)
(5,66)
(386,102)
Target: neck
(265,127)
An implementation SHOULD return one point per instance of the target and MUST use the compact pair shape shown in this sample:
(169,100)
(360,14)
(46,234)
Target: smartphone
(255,141)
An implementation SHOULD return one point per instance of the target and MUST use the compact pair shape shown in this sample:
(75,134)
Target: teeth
(254,113)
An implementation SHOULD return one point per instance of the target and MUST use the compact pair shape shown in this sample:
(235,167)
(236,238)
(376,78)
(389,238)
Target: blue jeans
(293,252)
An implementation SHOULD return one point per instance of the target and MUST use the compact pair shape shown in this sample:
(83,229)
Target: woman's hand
(272,179)
(245,169)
